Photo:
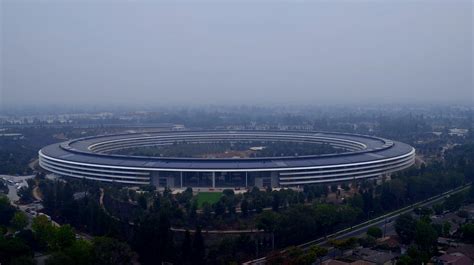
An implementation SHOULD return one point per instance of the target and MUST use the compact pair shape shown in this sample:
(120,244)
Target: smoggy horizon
(68,53)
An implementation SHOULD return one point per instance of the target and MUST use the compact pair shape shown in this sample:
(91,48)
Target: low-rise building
(376,256)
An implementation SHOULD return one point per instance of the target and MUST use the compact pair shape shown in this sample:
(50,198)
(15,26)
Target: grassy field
(210,197)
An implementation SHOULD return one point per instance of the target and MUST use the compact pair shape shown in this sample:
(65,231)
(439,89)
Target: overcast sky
(156,52)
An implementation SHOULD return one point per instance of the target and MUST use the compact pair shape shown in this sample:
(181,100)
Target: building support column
(246,179)
(213,179)
(158,177)
(181,178)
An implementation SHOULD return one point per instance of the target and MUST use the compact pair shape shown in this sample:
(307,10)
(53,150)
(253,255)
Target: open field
(210,197)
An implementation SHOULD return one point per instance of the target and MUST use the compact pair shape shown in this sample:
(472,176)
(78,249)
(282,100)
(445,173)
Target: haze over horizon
(140,52)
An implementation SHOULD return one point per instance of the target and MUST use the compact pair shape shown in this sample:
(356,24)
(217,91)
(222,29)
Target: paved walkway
(36,194)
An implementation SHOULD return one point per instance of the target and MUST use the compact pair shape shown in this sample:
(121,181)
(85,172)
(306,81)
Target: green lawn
(210,197)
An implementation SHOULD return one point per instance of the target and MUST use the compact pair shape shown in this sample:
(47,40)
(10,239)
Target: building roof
(466,249)
(80,151)
(390,241)
(455,259)
(374,256)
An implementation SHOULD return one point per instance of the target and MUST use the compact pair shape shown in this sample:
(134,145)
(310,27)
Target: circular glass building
(111,158)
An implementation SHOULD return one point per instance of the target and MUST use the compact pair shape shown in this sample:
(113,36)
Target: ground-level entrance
(179,179)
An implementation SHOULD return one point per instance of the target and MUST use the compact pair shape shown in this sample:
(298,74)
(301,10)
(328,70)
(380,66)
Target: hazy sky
(145,52)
